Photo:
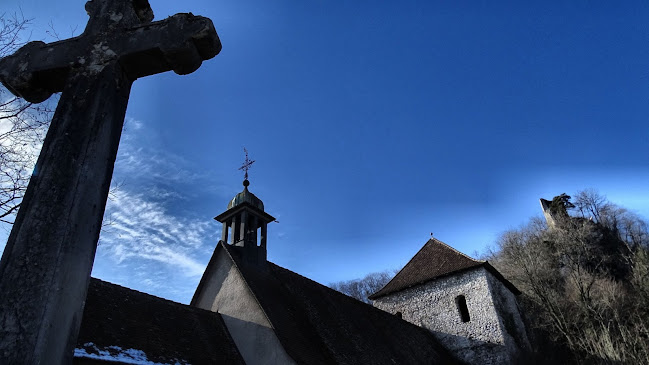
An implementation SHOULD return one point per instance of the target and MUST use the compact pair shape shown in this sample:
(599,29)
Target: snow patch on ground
(117,354)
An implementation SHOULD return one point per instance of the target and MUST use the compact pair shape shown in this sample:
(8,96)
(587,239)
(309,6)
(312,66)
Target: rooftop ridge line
(456,251)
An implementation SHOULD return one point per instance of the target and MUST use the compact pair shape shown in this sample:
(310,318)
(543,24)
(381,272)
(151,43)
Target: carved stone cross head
(118,31)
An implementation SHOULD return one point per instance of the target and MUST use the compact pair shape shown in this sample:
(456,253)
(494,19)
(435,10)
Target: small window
(460,302)
(399,315)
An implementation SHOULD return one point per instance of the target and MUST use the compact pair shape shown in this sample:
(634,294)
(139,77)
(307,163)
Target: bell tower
(245,222)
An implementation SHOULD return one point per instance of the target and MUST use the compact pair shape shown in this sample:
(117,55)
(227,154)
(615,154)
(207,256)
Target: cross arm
(39,69)
(179,43)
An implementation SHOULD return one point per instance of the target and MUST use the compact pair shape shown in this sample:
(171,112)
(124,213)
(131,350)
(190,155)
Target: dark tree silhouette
(22,127)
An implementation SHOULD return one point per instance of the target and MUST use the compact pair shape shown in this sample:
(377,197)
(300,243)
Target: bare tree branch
(22,127)
(585,280)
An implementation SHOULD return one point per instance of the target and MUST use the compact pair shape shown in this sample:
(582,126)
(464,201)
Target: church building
(467,304)
(443,307)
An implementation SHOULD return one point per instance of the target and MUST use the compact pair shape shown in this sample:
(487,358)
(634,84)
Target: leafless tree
(585,281)
(22,127)
(362,288)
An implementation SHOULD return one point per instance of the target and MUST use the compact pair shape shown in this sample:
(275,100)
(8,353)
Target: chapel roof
(435,260)
(123,322)
(318,325)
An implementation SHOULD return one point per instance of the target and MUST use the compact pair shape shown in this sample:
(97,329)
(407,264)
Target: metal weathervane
(246,164)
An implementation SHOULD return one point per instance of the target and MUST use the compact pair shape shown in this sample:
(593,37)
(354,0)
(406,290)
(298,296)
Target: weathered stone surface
(45,268)
(179,43)
(484,339)
(48,258)
(511,320)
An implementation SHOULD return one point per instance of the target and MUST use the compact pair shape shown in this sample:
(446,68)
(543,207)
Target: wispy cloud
(141,159)
(138,228)
(150,241)
(155,165)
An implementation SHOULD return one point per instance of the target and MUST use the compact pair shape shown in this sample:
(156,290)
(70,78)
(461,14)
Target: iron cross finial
(246,164)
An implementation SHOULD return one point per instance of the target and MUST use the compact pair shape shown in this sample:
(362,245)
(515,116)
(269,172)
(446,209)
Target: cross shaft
(46,265)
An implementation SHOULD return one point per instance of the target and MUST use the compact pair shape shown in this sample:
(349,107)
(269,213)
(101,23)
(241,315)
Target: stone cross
(46,265)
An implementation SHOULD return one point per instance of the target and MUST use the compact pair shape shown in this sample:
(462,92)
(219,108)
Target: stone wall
(433,305)
(511,321)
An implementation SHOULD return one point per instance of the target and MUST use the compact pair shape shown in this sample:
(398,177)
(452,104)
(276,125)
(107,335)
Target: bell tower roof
(245,201)
(247,197)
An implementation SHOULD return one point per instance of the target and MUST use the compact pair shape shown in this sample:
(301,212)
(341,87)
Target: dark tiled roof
(434,260)
(164,330)
(317,325)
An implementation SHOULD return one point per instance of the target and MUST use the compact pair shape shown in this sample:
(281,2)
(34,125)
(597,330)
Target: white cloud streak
(136,228)
(141,231)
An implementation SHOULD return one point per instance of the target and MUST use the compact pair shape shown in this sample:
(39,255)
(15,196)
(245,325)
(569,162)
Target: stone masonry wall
(515,335)
(433,306)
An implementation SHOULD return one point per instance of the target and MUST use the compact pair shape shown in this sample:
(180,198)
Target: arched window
(463,310)
(399,315)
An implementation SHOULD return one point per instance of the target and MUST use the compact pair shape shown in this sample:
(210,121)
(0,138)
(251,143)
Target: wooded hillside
(585,280)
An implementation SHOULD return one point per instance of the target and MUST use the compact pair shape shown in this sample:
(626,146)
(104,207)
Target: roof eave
(502,279)
(484,264)
(206,274)
(379,294)
(232,211)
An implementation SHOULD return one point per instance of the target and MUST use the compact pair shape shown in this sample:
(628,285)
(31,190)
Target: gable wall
(433,306)
(227,293)
(511,320)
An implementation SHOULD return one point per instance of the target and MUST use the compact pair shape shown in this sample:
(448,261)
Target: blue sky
(373,124)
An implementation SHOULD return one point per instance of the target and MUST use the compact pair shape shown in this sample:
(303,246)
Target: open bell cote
(245,225)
